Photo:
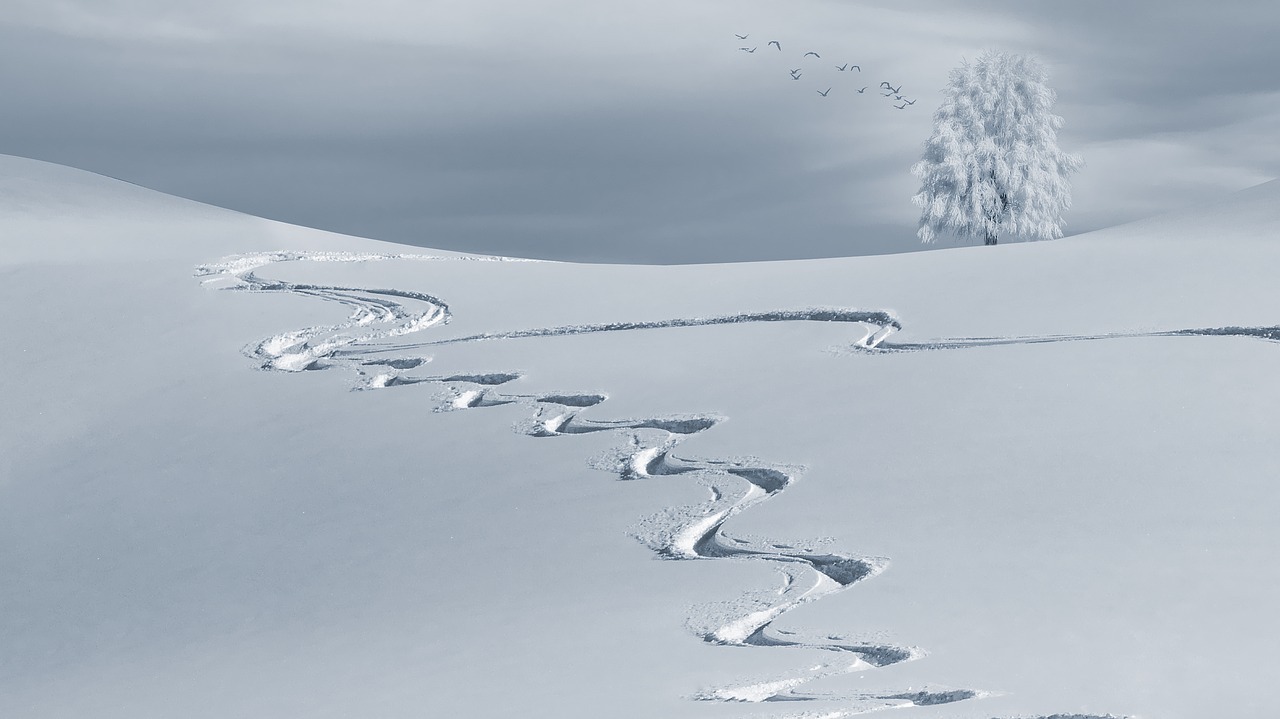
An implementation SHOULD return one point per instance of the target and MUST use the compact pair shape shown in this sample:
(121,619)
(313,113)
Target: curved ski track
(365,345)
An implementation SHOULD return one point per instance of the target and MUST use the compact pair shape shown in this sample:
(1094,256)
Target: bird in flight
(908,102)
(795,71)
(807,54)
(903,106)
(775,42)
(855,67)
(795,76)
(843,67)
(891,88)
(747,49)
(824,94)
(862,91)
(741,37)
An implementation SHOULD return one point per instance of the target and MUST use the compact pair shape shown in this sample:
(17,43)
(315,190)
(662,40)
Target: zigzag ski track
(368,344)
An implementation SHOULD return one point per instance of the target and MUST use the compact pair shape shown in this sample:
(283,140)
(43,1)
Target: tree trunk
(997,215)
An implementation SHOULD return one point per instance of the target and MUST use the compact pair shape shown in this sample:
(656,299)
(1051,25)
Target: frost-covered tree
(992,167)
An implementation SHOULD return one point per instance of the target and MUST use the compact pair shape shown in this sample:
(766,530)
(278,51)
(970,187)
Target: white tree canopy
(992,166)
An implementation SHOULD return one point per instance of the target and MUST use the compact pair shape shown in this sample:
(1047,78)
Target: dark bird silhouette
(862,91)
(903,106)
(885,84)
(747,49)
(824,94)
(895,90)
(741,37)
(855,67)
(796,77)
(908,102)
(842,68)
(775,42)
(899,97)
(796,70)
(807,54)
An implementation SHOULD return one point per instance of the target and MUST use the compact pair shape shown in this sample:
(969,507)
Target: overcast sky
(626,130)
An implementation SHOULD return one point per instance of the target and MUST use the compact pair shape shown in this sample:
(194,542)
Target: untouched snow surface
(255,470)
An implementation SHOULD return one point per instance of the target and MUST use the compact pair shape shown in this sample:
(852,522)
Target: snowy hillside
(255,470)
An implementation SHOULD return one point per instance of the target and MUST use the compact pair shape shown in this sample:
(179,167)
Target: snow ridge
(690,533)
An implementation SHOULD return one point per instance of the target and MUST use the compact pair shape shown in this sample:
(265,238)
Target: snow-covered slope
(1023,481)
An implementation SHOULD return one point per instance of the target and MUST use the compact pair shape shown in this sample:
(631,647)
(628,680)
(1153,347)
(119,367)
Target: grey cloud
(300,135)
(635,135)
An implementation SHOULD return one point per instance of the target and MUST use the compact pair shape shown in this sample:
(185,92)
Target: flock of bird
(886,88)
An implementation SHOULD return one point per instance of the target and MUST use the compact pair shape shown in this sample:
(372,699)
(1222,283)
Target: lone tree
(992,166)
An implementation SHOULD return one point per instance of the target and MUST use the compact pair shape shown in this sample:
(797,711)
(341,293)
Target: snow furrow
(883,324)
(364,345)
(856,703)
(1267,334)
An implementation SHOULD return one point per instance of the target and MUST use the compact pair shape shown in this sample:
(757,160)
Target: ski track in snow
(367,344)
(1269,334)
